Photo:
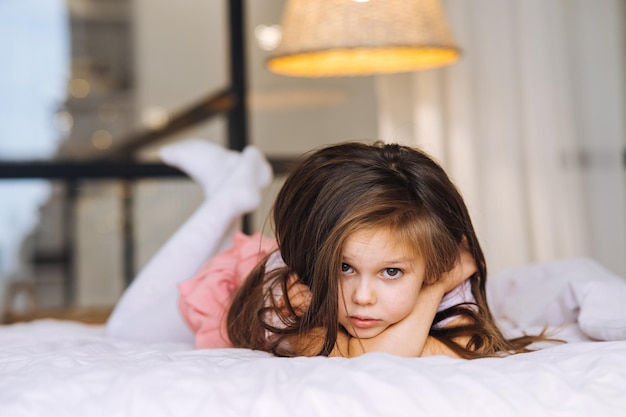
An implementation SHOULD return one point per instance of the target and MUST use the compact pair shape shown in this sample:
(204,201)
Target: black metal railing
(119,162)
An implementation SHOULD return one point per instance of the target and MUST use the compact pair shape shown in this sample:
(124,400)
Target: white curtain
(529,124)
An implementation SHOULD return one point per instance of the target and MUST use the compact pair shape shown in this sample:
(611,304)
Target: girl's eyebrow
(349,259)
(397,261)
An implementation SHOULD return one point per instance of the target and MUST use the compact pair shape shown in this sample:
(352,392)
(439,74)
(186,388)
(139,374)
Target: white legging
(232,182)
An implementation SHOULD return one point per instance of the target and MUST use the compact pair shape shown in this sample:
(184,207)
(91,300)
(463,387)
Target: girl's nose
(364,293)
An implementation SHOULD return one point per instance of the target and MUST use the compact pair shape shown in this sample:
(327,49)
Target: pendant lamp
(327,38)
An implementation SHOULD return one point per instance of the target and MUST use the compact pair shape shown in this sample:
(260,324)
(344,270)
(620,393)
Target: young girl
(375,242)
(374,251)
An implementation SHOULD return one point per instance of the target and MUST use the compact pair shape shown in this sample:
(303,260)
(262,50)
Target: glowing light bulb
(79,88)
(101,139)
(154,117)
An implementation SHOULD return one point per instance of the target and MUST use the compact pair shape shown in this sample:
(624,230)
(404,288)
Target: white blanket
(59,369)
(65,369)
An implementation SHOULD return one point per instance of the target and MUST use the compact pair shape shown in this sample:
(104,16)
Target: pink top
(204,299)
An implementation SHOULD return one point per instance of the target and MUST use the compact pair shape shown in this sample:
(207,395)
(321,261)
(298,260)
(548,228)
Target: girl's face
(379,282)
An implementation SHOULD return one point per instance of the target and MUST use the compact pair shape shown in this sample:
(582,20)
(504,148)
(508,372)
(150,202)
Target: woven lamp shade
(325,38)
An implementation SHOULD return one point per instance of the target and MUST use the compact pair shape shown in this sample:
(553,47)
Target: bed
(66,368)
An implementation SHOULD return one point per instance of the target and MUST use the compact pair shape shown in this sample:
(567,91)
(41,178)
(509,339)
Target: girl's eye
(345,268)
(392,273)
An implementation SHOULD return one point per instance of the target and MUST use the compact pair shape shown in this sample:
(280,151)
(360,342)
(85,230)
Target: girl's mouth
(363,322)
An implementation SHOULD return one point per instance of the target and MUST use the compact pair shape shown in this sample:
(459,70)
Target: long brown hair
(335,191)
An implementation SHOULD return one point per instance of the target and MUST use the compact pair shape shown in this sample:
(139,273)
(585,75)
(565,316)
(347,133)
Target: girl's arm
(405,338)
(409,337)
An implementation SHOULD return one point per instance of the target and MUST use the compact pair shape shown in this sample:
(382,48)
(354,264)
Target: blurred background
(530,124)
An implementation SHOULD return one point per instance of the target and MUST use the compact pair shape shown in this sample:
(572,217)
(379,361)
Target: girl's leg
(148,309)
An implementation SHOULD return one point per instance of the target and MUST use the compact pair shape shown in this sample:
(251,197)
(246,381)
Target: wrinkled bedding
(61,368)
(50,368)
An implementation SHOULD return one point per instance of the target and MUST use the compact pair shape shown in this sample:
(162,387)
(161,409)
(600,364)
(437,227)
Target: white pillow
(562,292)
(602,309)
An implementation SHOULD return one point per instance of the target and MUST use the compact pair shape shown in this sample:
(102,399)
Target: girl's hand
(409,336)
(299,296)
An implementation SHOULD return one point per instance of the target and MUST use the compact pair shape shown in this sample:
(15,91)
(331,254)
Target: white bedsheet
(50,368)
(66,369)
